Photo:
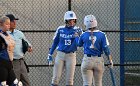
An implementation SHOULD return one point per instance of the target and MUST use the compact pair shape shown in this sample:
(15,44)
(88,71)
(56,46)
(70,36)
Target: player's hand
(20,83)
(110,64)
(76,34)
(79,31)
(50,59)
(30,49)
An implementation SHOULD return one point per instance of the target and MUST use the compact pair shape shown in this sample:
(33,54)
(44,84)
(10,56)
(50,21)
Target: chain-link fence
(38,19)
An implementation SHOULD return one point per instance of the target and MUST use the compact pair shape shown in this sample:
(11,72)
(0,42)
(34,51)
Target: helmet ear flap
(66,21)
(75,21)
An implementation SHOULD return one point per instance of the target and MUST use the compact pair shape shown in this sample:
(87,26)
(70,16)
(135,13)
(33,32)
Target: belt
(67,52)
(89,55)
(17,59)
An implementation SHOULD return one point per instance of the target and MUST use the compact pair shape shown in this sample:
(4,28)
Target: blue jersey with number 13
(65,40)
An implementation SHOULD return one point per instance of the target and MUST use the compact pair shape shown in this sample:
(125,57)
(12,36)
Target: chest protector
(10,45)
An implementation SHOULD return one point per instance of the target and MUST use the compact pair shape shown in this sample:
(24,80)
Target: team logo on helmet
(71,15)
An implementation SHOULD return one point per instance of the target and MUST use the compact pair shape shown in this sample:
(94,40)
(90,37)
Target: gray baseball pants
(92,69)
(69,60)
(21,72)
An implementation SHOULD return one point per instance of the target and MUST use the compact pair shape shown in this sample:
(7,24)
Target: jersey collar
(93,31)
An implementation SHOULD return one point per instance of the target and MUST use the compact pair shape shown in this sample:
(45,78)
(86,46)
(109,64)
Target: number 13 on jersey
(68,42)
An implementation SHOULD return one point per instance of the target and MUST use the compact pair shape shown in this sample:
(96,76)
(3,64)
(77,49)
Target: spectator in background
(7,43)
(19,65)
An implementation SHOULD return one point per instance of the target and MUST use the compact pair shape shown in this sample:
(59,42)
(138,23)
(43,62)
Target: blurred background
(119,19)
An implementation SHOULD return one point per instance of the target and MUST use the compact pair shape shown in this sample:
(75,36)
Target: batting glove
(79,31)
(50,59)
(76,35)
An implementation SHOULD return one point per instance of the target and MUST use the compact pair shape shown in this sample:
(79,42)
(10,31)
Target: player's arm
(54,45)
(105,45)
(107,53)
(78,33)
(80,42)
(55,42)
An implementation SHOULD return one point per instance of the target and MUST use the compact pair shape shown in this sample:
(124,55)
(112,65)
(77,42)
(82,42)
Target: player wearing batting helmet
(65,39)
(94,42)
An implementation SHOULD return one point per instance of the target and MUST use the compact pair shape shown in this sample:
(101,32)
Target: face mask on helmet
(90,21)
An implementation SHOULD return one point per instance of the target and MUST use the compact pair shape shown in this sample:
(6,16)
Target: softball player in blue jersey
(94,42)
(65,39)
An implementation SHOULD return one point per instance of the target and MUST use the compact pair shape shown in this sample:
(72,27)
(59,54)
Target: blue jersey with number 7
(94,43)
(64,39)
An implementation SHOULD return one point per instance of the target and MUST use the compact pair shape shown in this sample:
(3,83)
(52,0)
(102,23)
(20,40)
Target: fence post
(122,70)
(69,5)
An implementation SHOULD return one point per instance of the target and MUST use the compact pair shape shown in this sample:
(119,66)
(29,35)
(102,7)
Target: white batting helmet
(90,21)
(69,15)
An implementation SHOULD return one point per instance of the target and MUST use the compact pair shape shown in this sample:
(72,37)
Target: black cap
(11,17)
